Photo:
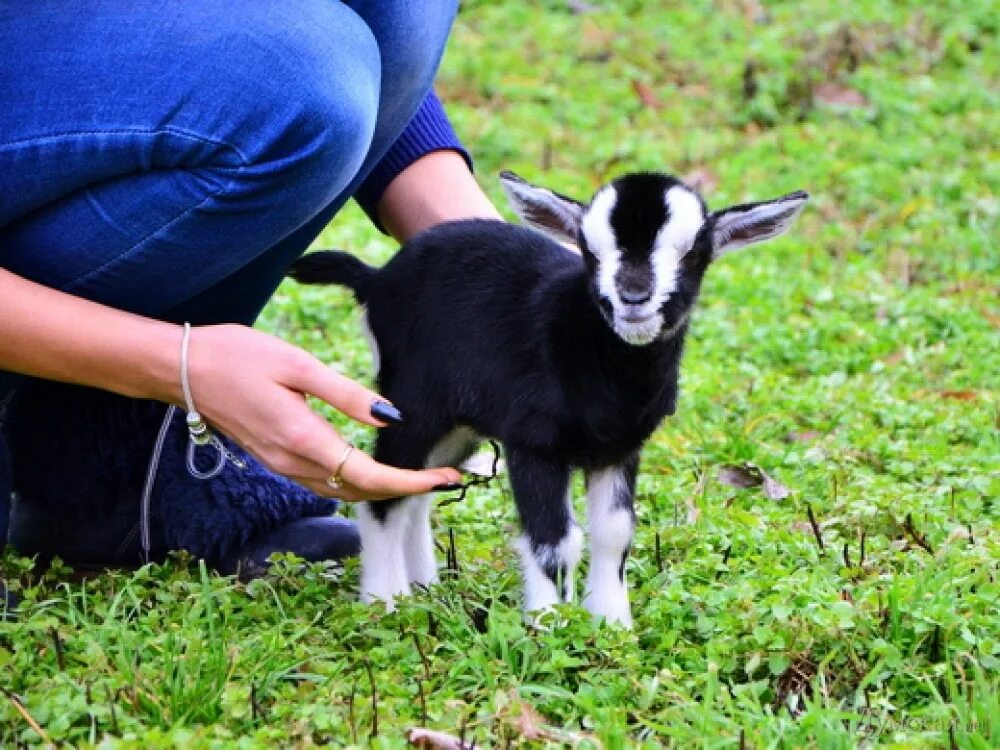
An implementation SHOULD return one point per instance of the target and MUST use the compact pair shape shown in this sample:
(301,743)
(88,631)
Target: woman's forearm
(261,404)
(56,336)
(437,187)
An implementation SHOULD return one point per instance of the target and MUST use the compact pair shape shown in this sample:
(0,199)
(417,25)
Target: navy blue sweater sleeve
(429,130)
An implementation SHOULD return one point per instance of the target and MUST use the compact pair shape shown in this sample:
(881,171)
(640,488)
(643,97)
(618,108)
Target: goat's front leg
(611,517)
(383,528)
(551,543)
(421,565)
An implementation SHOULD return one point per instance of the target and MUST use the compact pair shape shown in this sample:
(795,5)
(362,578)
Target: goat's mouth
(638,318)
(638,329)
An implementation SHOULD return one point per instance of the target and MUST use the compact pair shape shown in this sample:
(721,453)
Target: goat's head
(646,241)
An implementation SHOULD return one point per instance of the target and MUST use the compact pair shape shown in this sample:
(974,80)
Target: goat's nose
(635,297)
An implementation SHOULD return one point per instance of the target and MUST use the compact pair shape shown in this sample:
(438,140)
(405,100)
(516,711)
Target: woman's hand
(253,387)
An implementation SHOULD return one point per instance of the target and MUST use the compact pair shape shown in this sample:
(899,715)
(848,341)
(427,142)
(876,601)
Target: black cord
(477,480)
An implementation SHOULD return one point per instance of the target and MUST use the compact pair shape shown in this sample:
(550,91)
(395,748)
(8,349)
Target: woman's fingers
(374,480)
(352,398)
(382,483)
(315,451)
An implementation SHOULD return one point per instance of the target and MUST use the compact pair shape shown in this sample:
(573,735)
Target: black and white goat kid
(485,329)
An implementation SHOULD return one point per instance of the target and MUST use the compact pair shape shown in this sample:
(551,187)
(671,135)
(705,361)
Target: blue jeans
(172,158)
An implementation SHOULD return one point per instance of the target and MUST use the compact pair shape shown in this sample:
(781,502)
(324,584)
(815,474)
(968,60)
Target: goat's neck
(579,333)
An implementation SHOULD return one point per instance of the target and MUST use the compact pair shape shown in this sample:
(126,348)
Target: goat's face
(646,241)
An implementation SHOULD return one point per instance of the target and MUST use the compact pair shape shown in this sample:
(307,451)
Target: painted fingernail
(386,412)
(447,487)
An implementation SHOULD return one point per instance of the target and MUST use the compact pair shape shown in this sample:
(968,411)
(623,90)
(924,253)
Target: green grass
(856,360)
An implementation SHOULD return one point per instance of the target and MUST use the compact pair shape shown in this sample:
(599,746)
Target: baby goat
(485,329)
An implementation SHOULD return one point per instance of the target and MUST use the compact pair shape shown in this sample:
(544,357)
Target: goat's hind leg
(611,518)
(552,540)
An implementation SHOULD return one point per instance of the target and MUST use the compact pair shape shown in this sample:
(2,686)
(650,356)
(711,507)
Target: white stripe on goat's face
(638,229)
(601,242)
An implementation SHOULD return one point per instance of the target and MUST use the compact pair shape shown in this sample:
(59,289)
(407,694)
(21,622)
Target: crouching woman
(163,163)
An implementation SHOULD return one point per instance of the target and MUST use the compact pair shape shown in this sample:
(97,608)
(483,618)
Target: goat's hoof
(544,619)
(389,600)
(618,621)
(619,616)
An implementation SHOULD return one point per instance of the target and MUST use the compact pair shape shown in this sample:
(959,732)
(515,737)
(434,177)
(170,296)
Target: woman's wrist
(157,365)
(436,187)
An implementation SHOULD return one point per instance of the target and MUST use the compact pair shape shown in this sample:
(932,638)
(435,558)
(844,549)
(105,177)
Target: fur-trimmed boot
(80,459)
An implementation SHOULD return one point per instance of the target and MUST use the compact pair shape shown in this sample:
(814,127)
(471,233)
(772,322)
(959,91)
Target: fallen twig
(111,705)
(423,656)
(725,560)
(815,528)
(60,658)
(423,701)
(350,713)
(452,550)
(371,679)
(19,706)
(916,536)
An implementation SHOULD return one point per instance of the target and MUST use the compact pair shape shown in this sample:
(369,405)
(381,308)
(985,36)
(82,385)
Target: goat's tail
(334,267)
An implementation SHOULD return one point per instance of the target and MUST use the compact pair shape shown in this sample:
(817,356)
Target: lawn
(855,360)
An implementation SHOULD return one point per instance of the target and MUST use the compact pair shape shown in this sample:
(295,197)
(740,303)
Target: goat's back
(468,282)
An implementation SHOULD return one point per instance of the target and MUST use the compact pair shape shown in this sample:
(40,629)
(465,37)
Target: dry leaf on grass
(692,502)
(754,12)
(530,724)
(702,179)
(749,475)
(434,740)
(646,95)
(806,436)
(896,357)
(836,95)
(959,395)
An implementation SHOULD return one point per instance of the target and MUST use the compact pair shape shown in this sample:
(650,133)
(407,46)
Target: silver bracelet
(197,429)
(199,433)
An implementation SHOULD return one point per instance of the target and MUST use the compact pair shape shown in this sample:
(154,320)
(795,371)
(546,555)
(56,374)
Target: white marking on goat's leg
(611,522)
(383,558)
(421,565)
(551,544)
(547,565)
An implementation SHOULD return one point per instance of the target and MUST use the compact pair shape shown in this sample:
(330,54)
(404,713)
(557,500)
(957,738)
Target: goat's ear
(543,209)
(747,224)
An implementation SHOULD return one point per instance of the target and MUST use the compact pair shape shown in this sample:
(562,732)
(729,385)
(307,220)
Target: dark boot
(315,539)
(80,459)
(8,602)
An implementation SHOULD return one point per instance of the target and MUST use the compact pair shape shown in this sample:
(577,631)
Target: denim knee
(308,82)
(197,150)
(411,36)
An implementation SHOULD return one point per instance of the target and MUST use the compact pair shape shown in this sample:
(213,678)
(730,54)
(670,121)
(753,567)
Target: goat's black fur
(493,326)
